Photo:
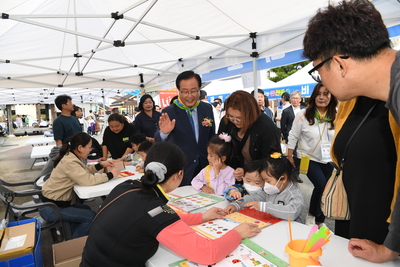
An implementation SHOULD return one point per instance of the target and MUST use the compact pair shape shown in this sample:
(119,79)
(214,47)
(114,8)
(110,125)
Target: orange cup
(299,259)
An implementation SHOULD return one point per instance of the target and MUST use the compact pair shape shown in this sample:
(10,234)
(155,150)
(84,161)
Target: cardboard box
(117,165)
(17,241)
(69,253)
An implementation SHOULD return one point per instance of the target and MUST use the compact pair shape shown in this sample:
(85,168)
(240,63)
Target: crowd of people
(240,157)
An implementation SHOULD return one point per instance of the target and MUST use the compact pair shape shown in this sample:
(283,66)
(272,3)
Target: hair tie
(69,143)
(158,168)
(276,155)
(225,137)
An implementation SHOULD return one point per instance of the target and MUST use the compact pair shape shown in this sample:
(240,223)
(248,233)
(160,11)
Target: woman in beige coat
(69,171)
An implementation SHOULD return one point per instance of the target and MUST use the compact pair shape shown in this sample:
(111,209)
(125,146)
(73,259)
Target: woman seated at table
(116,137)
(135,219)
(69,171)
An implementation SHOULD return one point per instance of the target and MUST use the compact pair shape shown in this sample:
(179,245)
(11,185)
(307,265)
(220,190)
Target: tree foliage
(285,71)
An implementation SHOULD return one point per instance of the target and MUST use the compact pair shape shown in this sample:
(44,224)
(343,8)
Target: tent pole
(254,55)
(255,78)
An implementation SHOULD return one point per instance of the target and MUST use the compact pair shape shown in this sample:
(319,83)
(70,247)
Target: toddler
(252,182)
(217,176)
(135,140)
(143,148)
(280,196)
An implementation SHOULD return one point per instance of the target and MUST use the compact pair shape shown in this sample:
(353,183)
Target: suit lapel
(200,116)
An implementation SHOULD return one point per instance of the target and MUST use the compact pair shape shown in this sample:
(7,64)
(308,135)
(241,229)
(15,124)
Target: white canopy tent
(80,46)
(223,88)
(298,81)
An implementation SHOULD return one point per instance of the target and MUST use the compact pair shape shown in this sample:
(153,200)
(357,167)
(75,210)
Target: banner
(166,96)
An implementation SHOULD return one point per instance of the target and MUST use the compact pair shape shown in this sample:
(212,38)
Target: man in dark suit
(289,113)
(287,119)
(188,123)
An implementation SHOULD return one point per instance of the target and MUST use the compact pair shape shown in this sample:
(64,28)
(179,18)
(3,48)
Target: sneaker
(310,220)
(298,179)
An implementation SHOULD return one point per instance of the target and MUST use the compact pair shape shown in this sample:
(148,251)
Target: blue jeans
(318,174)
(79,215)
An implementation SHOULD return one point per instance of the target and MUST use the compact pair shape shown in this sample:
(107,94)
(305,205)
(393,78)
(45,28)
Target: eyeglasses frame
(320,65)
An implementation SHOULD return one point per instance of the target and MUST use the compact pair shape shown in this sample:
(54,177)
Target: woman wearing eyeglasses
(254,135)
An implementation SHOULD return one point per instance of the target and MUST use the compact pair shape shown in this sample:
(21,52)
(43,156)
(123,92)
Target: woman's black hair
(144,98)
(253,166)
(276,167)
(221,148)
(117,117)
(173,99)
(76,108)
(168,154)
(72,143)
(285,96)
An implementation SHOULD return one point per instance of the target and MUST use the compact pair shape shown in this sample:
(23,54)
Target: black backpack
(96,148)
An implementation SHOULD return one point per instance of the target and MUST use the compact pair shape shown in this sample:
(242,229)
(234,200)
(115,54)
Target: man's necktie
(191,122)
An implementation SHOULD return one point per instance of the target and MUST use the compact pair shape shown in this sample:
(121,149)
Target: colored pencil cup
(299,259)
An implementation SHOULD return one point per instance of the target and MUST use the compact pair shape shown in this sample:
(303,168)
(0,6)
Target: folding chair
(16,212)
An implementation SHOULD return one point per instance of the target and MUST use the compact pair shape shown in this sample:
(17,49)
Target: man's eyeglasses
(314,71)
(233,119)
(193,92)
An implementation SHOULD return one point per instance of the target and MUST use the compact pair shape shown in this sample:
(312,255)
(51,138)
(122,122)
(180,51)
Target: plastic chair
(19,212)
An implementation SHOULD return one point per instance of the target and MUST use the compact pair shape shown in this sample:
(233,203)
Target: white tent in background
(143,44)
(298,81)
(223,88)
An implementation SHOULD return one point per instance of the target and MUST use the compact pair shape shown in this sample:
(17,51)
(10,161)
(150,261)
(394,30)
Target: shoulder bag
(334,202)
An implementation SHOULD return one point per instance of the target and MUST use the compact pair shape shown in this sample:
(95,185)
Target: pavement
(15,163)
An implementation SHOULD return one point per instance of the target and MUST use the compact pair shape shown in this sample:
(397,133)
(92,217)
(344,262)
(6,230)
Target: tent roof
(67,45)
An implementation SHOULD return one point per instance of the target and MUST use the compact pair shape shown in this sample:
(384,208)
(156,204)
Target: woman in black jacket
(253,133)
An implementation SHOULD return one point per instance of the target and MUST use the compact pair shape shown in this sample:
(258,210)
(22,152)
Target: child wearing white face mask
(252,182)
(280,196)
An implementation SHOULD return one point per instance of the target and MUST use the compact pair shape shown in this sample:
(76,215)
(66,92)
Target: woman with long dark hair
(313,131)
(69,170)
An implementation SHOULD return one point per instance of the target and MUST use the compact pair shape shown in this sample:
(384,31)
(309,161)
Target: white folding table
(85,192)
(40,141)
(274,239)
(40,152)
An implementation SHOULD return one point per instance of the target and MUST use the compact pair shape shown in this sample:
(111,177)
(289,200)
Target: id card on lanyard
(326,151)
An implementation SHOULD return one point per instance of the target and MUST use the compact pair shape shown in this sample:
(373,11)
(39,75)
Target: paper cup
(299,259)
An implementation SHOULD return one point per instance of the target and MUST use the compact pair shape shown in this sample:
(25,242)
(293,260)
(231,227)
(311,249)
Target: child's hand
(235,193)
(139,169)
(252,205)
(229,209)
(213,213)
(247,230)
(207,190)
(217,164)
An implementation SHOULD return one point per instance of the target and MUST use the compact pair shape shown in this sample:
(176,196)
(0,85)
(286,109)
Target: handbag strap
(354,133)
(112,201)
